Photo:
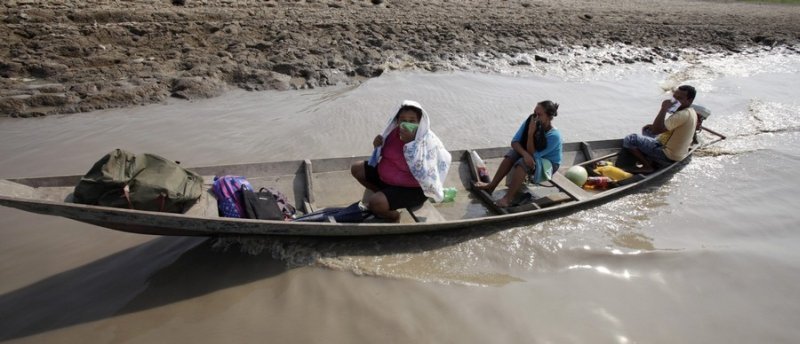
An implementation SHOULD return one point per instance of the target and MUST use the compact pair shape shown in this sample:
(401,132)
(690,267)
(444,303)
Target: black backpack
(261,205)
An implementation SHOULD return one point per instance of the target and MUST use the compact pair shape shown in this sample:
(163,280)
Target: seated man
(666,140)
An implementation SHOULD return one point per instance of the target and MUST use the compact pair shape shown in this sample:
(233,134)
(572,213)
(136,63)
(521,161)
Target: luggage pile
(139,181)
(236,198)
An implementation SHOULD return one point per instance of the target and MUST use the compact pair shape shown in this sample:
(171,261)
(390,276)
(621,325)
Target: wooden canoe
(315,184)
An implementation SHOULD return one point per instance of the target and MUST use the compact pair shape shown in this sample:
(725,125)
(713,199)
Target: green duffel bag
(139,181)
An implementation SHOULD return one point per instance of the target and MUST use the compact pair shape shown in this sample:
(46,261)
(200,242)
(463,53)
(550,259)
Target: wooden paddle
(713,132)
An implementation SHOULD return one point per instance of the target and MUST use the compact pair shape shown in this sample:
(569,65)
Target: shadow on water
(160,272)
(167,270)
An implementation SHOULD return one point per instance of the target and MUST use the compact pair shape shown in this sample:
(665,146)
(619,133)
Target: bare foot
(483,186)
(503,203)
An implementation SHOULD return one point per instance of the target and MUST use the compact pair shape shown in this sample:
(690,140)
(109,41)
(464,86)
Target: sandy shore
(76,55)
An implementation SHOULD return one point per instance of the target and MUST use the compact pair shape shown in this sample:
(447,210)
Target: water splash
(438,259)
(480,256)
(614,61)
(749,130)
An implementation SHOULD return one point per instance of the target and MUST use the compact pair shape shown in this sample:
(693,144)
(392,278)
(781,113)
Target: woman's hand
(532,126)
(377,142)
(529,161)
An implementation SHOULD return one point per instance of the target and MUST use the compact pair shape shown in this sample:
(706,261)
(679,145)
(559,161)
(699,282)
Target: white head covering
(426,156)
(424,122)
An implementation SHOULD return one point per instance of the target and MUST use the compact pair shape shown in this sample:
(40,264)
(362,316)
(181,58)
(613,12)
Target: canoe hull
(21,194)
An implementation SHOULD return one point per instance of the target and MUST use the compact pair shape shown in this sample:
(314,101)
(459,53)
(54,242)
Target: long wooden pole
(713,132)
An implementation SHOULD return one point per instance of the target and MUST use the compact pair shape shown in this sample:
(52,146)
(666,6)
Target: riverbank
(77,56)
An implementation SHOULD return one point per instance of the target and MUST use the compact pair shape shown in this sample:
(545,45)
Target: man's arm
(658,126)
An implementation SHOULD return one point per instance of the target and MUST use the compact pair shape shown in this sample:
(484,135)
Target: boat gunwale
(276,227)
(288,165)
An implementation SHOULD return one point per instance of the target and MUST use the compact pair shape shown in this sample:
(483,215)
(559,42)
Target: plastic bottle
(449,195)
(483,173)
(599,183)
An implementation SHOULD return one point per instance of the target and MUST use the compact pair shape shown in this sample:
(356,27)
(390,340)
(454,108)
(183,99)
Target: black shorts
(398,196)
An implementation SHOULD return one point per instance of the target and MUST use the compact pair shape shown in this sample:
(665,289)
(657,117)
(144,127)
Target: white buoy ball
(577,174)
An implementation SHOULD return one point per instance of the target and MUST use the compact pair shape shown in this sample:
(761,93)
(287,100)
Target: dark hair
(690,91)
(550,108)
(404,108)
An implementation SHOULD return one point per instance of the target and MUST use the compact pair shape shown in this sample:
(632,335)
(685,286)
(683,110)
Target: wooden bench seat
(569,187)
(425,213)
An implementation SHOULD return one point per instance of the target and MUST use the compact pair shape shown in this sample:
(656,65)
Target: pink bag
(228,190)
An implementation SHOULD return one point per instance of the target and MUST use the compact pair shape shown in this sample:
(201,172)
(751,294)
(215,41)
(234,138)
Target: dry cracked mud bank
(70,56)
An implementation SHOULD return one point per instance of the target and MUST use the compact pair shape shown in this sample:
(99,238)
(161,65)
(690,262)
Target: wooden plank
(473,169)
(406,217)
(426,213)
(16,190)
(488,200)
(307,207)
(592,161)
(308,199)
(569,187)
(252,170)
(524,207)
(552,199)
(483,195)
(587,150)
(309,181)
(542,202)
